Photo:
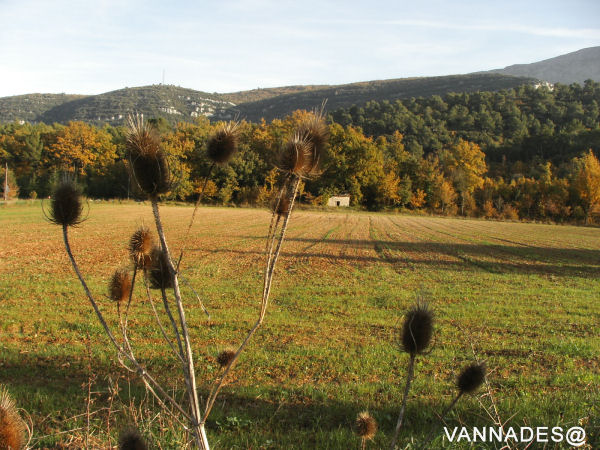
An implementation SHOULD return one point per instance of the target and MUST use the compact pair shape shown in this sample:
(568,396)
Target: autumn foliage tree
(464,164)
(587,182)
(80,145)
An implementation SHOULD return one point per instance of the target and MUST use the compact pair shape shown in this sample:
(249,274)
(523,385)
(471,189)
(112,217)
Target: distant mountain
(359,93)
(575,67)
(180,104)
(175,103)
(267,93)
(31,107)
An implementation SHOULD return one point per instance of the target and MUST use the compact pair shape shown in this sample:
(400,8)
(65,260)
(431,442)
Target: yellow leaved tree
(79,145)
(587,183)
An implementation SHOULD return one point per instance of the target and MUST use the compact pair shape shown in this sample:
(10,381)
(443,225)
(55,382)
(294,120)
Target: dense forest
(519,153)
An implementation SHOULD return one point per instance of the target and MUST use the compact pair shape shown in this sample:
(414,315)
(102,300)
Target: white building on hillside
(339,200)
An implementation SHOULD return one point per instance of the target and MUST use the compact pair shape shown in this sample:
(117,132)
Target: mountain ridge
(182,104)
(573,67)
(176,103)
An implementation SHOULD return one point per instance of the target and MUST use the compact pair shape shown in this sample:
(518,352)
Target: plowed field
(524,297)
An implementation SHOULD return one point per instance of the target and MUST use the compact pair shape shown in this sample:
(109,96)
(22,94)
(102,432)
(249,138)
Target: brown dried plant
(415,338)
(12,427)
(131,439)
(150,170)
(365,427)
(148,161)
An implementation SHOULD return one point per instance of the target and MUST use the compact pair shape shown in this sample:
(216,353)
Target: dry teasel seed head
(222,144)
(66,205)
(148,160)
(315,132)
(130,439)
(295,156)
(471,378)
(417,329)
(12,427)
(160,276)
(140,247)
(225,357)
(365,426)
(120,286)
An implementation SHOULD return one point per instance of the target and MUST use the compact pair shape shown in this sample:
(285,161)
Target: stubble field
(524,297)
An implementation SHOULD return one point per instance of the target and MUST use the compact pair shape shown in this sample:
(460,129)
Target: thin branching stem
(200,302)
(165,301)
(124,322)
(178,354)
(269,248)
(135,270)
(264,303)
(409,378)
(442,417)
(200,197)
(185,365)
(450,406)
(274,216)
(152,385)
(197,425)
(295,182)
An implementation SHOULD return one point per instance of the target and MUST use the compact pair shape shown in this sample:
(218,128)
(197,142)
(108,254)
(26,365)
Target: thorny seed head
(222,145)
(140,247)
(12,427)
(417,329)
(148,160)
(471,378)
(315,132)
(130,439)
(120,286)
(365,425)
(225,357)
(296,155)
(66,205)
(160,276)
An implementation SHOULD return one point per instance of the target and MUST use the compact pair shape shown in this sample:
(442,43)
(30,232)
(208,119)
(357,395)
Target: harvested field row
(522,296)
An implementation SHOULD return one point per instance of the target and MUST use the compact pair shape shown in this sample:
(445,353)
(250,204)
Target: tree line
(522,153)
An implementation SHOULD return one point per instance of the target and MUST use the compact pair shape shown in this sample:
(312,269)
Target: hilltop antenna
(163,82)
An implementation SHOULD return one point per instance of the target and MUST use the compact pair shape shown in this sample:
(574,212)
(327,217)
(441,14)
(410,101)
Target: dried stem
(152,385)
(442,417)
(88,400)
(178,354)
(409,378)
(274,216)
(188,284)
(135,269)
(165,301)
(200,196)
(189,373)
(124,323)
(271,261)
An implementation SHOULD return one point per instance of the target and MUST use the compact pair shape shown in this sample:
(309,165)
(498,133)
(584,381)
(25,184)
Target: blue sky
(225,46)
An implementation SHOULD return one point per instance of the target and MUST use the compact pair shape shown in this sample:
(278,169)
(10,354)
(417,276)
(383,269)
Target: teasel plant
(365,427)
(415,338)
(131,439)
(468,381)
(299,159)
(150,169)
(15,433)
